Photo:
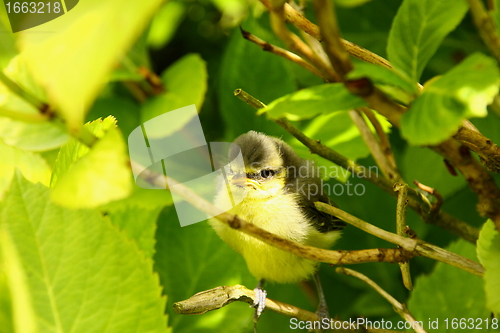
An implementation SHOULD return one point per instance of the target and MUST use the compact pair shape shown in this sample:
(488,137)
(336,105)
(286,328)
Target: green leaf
(440,178)
(137,215)
(74,150)
(31,165)
(32,137)
(7,42)
(11,102)
(351,3)
(139,224)
(191,259)
(89,178)
(186,84)
(126,112)
(73,62)
(417,31)
(488,252)
(463,92)
(6,324)
(23,314)
(449,292)
(82,273)
(384,76)
(307,103)
(165,23)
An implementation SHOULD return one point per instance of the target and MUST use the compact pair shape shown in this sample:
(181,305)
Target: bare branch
(312,29)
(294,43)
(439,199)
(219,297)
(374,146)
(487,150)
(402,190)
(411,245)
(330,35)
(384,140)
(479,179)
(281,52)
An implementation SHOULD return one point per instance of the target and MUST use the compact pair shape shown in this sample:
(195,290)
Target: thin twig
(249,99)
(411,245)
(398,307)
(416,200)
(373,145)
(401,229)
(280,52)
(312,29)
(439,198)
(330,35)
(294,43)
(384,140)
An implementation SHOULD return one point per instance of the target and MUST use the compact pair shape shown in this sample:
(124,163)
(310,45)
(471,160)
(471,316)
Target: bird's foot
(259,302)
(322,312)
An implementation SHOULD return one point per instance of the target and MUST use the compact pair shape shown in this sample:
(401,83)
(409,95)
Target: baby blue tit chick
(276,191)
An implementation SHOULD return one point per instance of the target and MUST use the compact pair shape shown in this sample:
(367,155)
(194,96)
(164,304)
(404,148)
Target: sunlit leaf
(137,215)
(463,92)
(23,314)
(31,165)
(195,251)
(7,42)
(89,178)
(73,61)
(82,273)
(32,137)
(488,252)
(307,103)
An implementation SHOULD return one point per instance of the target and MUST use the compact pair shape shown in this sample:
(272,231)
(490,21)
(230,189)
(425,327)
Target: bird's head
(263,174)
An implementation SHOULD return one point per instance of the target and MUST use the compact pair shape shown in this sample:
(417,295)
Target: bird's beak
(241,180)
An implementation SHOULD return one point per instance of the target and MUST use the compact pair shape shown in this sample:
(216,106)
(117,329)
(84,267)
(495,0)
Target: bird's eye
(267,173)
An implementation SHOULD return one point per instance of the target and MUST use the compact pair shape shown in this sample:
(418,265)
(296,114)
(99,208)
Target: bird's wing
(322,221)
